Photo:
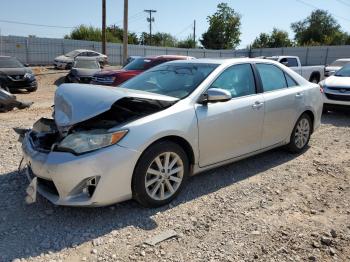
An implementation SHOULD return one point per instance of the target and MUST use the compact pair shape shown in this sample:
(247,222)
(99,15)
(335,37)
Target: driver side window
(238,80)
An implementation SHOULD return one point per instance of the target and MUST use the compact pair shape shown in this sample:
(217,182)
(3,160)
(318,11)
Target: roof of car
(343,59)
(170,57)
(225,60)
(5,56)
(85,58)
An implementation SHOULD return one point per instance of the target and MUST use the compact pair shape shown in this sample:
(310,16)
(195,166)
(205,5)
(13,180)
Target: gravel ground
(272,207)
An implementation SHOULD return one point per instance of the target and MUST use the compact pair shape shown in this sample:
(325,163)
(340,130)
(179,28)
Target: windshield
(138,64)
(72,53)
(88,64)
(10,62)
(339,63)
(344,72)
(176,80)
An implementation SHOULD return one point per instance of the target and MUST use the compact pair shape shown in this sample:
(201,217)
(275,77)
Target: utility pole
(150,20)
(194,34)
(104,27)
(125,31)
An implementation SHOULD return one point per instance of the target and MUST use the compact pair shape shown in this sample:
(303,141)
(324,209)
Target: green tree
(187,43)
(158,39)
(277,38)
(320,28)
(114,34)
(262,41)
(224,29)
(118,33)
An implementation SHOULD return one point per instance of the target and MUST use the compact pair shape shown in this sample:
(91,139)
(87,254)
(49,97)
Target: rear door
(282,97)
(233,128)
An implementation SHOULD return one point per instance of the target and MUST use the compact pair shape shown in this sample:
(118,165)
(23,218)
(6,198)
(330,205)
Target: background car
(83,69)
(336,89)
(313,74)
(137,66)
(66,61)
(335,66)
(143,139)
(14,75)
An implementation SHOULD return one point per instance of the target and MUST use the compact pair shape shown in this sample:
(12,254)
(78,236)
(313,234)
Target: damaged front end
(93,133)
(56,146)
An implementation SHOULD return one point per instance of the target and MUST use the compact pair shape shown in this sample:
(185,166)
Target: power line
(315,7)
(344,3)
(32,24)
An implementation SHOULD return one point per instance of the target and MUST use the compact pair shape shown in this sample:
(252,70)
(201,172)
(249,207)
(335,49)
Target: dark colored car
(82,71)
(136,67)
(14,75)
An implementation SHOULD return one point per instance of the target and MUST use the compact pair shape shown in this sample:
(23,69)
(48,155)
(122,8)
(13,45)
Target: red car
(136,67)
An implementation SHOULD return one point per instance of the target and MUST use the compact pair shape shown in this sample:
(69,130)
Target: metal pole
(150,20)
(125,32)
(194,34)
(0,42)
(103,26)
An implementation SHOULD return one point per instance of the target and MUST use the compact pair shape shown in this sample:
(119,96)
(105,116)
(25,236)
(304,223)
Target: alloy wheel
(302,133)
(164,176)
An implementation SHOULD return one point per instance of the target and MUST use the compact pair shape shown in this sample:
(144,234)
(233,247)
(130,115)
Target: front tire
(32,89)
(301,134)
(160,174)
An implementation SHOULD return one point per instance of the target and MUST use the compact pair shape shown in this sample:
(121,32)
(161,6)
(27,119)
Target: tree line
(224,32)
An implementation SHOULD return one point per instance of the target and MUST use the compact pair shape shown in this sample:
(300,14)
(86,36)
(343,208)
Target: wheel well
(315,74)
(311,115)
(181,142)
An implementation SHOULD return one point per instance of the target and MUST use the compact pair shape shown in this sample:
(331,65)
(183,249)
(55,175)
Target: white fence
(42,51)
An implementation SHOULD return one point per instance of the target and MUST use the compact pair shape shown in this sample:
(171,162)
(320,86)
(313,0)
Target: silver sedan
(143,139)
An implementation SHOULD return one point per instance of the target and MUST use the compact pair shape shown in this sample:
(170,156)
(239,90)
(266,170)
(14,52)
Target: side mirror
(26,65)
(284,63)
(214,95)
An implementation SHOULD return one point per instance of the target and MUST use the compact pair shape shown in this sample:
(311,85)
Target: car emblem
(343,90)
(18,77)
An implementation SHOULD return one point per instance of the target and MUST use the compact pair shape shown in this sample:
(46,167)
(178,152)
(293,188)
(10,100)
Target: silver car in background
(143,139)
(336,89)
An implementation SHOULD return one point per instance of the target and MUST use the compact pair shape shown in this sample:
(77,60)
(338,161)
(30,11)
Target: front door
(233,128)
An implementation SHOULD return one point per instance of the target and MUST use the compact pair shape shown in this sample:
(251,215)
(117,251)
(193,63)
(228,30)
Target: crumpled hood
(336,81)
(76,103)
(63,58)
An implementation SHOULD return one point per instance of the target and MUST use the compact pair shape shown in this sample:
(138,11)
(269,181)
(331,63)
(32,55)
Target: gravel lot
(272,207)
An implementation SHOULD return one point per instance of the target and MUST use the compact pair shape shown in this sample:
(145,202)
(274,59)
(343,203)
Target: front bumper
(22,84)
(61,175)
(76,79)
(60,65)
(331,97)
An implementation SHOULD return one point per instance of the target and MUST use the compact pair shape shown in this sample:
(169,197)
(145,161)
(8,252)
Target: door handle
(257,105)
(299,95)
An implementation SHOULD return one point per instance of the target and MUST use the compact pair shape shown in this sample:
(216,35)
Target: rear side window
(290,81)
(272,77)
(237,79)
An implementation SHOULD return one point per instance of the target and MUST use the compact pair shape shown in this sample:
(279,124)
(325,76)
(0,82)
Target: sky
(173,16)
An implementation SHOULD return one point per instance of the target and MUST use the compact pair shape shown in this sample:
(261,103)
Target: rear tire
(315,79)
(301,134)
(160,174)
